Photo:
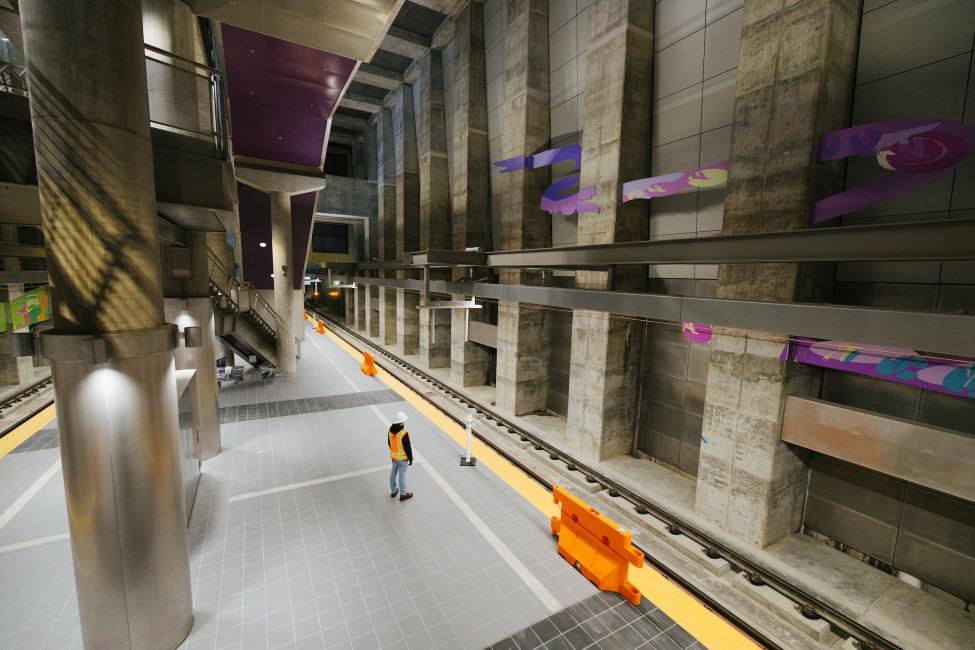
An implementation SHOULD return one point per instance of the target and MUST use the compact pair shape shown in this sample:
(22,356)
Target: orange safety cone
(369,365)
(321,327)
(591,540)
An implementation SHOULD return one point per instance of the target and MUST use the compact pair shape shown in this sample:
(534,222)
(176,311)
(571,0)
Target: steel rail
(805,602)
(9,401)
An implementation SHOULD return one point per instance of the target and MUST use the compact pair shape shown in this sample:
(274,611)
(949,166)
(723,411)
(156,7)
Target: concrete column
(408,320)
(435,230)
(604,379)
(298,313)
(111,351)
(372,314)
(432,152)
(749,482)
(386,183)
(188,304)
(361,307)
(524,332)
(387,315)
(470,194)
(348,300)
(407,172)
(281,254)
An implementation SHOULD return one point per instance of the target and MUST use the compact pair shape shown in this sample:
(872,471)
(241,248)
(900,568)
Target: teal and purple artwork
(890,364)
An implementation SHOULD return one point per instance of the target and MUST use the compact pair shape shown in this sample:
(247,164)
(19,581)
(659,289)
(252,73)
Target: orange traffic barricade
(369,365)
(307,317)
(596,544)
(321,327)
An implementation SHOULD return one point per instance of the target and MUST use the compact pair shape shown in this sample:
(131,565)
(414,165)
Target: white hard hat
(400,418)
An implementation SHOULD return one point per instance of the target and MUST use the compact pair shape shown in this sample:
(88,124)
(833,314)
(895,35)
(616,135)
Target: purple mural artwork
(699,333)
(890,364)
(555,199)
(712,175)
(917,151)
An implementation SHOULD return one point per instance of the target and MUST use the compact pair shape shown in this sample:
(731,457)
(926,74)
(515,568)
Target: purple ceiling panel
(255,227)
(281,95)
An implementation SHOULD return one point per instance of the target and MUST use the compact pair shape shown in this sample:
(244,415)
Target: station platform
(295,542)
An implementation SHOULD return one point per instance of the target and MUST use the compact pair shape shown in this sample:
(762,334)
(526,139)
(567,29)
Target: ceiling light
(263,244)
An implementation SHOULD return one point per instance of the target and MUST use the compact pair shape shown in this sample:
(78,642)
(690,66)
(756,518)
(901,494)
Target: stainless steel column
(281,254)
(111,353)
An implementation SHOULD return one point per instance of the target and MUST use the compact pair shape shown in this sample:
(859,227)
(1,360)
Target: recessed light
(280,137)
(263,244)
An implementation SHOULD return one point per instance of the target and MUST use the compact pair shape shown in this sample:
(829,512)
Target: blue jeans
(399,467)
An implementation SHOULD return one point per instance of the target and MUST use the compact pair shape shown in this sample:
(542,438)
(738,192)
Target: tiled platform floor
(295,543)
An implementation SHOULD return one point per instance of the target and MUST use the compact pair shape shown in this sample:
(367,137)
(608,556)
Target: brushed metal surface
(124,490)
(936,458)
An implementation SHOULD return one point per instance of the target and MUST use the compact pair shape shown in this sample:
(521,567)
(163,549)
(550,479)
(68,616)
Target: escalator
(242,318)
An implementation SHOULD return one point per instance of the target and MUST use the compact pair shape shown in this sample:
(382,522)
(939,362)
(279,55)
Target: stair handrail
(262,309)
(13,79)
(221,277)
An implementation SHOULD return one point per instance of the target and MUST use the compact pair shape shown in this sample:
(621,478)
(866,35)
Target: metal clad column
(281,253)
(110,351)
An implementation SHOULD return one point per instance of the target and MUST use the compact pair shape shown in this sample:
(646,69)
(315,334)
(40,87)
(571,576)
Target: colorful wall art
(555,199)
(916,151)
(890,364)
(26,310)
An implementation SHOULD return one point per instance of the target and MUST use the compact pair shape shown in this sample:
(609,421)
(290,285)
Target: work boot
(406,495)
(394,493)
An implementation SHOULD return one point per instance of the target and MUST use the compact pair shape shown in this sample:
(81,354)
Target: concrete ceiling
(350,28)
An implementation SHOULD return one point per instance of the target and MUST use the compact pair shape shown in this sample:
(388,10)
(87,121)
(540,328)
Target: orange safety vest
(396,451)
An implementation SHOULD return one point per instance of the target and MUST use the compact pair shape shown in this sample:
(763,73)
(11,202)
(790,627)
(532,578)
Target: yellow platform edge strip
(708,627)
(25,430)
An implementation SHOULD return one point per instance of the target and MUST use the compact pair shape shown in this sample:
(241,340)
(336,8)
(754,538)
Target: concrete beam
(373,75)
(408,44)
(448,7)
(274,181)
(349,122)
(364,103)
(341,138)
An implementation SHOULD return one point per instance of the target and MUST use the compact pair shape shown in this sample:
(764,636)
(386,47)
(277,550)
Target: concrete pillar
(298,313)
(470,194)
(349,301)
(432,152)
(435,230)
(361,301)
(188,304)
(749,482)
(604,371)
(524,332)
(408,320)
(407,172)
(372,313)
(282,264)
(386,183)
(435,337)
(111,352)
(387,315)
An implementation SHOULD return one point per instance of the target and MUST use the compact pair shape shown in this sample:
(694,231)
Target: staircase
(243,319)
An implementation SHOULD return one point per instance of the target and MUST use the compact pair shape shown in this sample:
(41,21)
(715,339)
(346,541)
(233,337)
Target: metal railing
(178,88)
(243,296)
(13,79)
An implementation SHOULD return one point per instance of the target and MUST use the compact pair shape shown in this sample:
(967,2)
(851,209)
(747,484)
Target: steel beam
(930,332)
(924,240)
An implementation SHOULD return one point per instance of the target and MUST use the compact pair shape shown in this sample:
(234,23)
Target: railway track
(806,603)
(9,402)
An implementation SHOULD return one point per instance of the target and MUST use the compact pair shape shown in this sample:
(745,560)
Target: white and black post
(468,460)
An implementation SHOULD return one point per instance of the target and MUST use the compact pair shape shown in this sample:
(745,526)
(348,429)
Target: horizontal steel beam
(924,240)
(931,332)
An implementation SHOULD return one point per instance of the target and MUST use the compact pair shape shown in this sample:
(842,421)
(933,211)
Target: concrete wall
(916,531)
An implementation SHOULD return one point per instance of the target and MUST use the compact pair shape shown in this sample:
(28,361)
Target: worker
(401,454)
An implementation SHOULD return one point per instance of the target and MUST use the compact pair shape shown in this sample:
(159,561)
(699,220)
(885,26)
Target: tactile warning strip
(284,408)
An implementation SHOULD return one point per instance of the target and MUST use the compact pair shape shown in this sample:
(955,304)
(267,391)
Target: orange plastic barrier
(369,365)
(596,544)
(321,327)
(307,317)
